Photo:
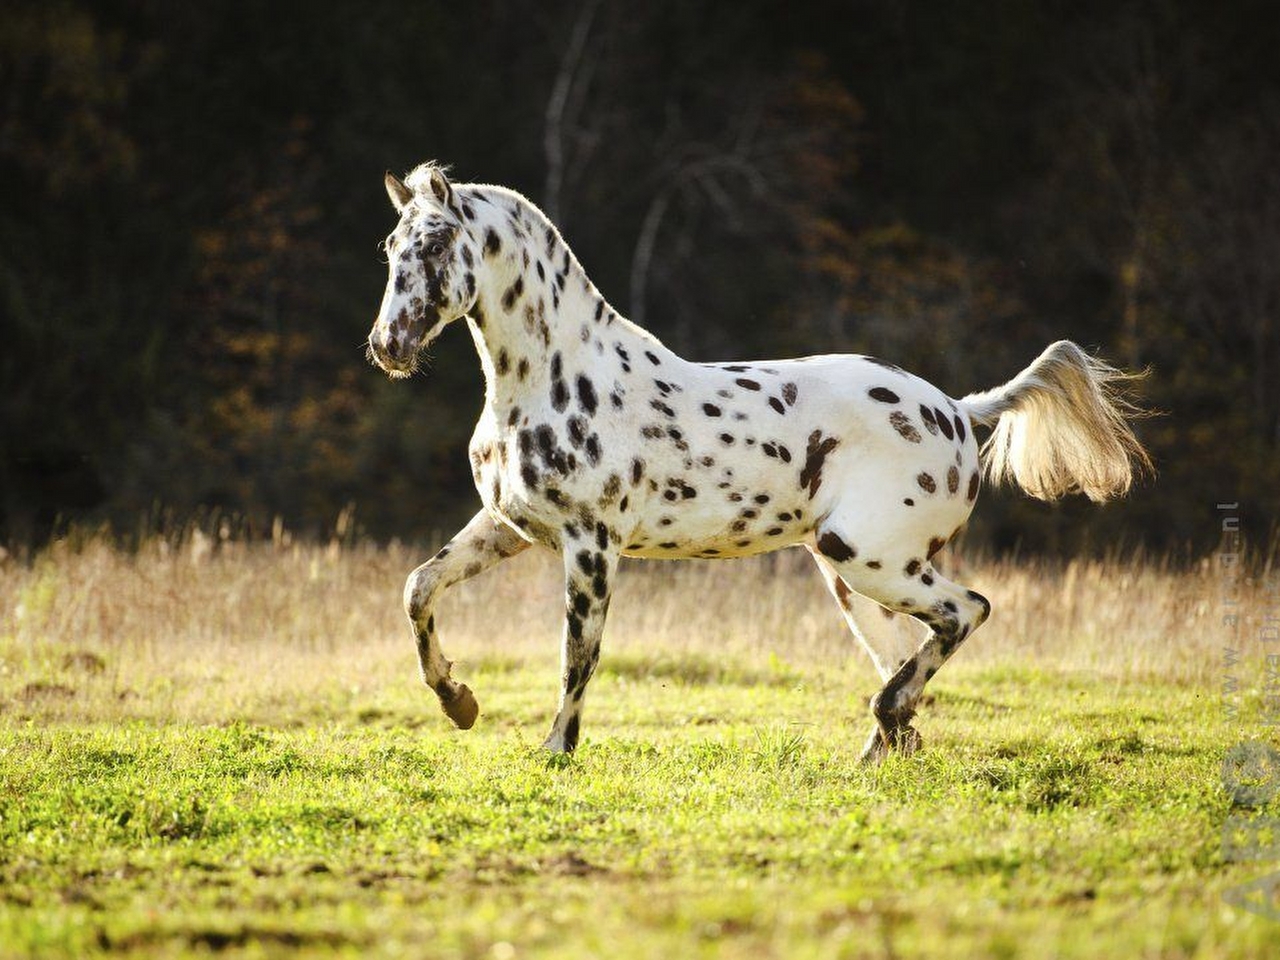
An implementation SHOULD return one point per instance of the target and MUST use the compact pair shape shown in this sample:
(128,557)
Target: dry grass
(191,628)
(210,745)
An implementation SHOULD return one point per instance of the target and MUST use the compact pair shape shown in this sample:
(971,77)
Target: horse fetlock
(564,735)
(892,708)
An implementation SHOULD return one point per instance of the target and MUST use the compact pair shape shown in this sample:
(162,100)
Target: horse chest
(528,475)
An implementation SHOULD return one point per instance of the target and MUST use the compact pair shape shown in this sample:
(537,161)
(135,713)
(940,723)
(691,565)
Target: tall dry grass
(193,627)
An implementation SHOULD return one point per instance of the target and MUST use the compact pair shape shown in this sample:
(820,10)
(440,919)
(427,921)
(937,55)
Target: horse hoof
(908,741)
(461,708)
(874,752)
(905,740)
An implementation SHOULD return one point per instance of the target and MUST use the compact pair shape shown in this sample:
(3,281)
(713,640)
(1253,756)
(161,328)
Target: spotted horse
(598,442)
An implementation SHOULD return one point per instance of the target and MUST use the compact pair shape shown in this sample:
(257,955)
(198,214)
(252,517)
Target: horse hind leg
(482,543)
(910,585)
(952,612)
(888,638)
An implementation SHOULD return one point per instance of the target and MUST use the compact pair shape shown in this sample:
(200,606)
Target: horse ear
(441,187)
(400,194)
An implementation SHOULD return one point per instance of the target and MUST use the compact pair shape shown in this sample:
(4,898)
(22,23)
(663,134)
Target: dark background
(192,206)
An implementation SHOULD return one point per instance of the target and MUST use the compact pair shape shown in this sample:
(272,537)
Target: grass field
(217,747)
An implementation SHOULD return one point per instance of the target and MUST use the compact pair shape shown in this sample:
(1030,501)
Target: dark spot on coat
(777,405)
(492,243)
(830,545)
(973,486)
(747,384)
(930,424)
(944,423)
(815,457)
(586,395)
(512,294)
(883,394)
(503,364)
(571,734)
(927,483)
(559,395)
(953,479)
(912,567)
(711,410)
(662,408)
(577,431)
(522,369)
(935,544)
(960,427)
(789,393)
(906,429)
(653,357)
(842,592)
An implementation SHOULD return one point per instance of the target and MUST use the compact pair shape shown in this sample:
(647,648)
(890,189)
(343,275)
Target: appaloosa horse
(598,442)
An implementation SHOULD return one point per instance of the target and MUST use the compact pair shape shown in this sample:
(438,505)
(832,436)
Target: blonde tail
(1062,426)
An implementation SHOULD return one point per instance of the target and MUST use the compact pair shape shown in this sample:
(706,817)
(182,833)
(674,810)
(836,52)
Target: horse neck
(523,313)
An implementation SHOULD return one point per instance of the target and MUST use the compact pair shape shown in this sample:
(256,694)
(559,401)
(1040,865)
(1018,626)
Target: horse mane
(419,178)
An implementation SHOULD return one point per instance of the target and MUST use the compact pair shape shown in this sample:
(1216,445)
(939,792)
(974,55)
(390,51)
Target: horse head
(429,258)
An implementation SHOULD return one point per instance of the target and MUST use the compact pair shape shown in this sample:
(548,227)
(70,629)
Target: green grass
(1051,815)
(215,747)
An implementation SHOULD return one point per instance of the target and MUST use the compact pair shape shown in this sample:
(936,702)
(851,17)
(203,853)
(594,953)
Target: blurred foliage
(188,239)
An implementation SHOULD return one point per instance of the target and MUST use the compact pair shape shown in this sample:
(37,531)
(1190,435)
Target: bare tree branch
(553,137)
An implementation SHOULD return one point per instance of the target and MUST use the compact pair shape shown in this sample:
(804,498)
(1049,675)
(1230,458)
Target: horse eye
(436,249)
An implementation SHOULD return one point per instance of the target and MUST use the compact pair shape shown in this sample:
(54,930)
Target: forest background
(193,203)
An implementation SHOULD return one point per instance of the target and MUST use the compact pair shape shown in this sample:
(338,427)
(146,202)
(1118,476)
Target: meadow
(210,745)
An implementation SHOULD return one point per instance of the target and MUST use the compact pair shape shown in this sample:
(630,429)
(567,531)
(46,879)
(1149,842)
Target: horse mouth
(397,368)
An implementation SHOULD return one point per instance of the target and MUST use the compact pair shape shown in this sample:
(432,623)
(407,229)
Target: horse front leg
(590,565)
(478,546)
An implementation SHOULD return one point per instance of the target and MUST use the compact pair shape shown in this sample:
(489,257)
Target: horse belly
(688,518)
